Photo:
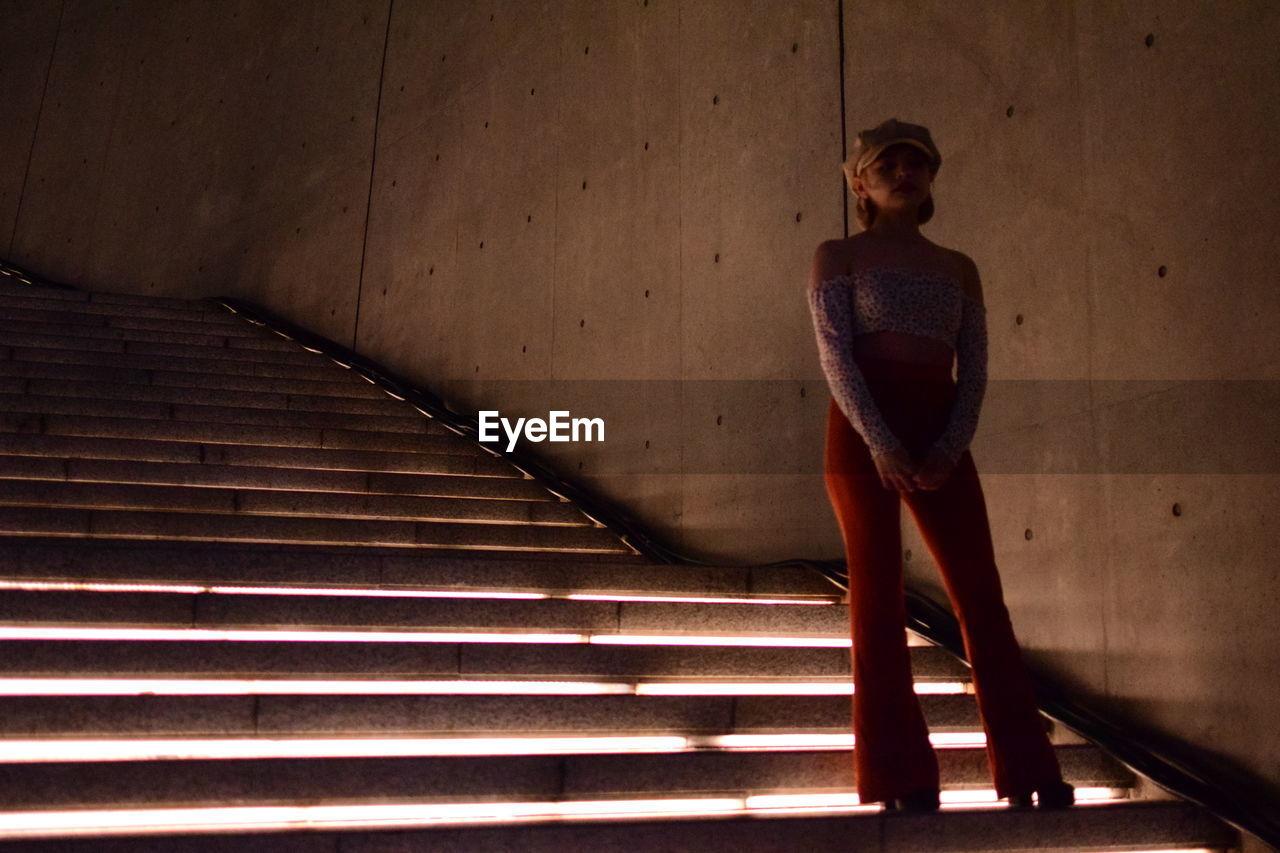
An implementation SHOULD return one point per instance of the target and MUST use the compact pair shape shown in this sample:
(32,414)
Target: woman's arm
(971,369)
(831,306)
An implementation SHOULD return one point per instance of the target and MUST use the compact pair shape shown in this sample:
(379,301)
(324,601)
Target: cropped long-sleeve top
(896,299)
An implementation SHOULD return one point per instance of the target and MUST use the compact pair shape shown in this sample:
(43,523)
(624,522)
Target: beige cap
(869,143)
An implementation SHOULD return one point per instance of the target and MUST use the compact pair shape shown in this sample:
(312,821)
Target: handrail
(1227,792)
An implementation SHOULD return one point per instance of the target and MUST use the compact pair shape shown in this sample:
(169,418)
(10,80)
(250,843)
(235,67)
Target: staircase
(248,601)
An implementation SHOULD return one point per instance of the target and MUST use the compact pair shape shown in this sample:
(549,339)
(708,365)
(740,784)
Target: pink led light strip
(68,824)
(393,592)
(118,633)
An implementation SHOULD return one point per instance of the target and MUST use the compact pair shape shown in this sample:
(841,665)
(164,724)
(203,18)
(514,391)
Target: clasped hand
(898,472)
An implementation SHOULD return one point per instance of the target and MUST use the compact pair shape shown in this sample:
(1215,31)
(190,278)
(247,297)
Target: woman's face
(899,176)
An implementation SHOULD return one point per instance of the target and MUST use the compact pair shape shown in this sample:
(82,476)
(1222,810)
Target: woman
(890,311)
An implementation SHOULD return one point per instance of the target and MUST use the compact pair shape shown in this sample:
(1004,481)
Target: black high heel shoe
(1056,795)
(926,800)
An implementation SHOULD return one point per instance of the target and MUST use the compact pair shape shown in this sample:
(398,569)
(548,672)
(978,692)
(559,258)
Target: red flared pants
(892,753)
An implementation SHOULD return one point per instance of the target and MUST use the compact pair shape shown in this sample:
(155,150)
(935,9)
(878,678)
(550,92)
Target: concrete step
(265,659)
(341,383)
(294,479)
(211,527)
(181,345)
(246,362)
(80,337)
(65,447)
(233,433)
(267,348)
(192,313)
(1126,826)
(126,318)
(458,715)
(211,563)
(87,334)
(346,384)
(95,297)
(539,509)
(35,340)
(200,394)
(404,420)
(183,610)
(462,779)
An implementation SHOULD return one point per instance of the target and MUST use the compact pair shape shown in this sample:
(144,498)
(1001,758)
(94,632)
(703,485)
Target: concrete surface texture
(610,208)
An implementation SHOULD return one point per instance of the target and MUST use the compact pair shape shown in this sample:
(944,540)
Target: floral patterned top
(902,300)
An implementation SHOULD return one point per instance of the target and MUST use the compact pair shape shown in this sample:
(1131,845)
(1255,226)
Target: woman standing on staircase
(890,310)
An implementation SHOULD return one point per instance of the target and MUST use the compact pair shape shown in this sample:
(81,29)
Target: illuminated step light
(778,741)
(65,824)
(32,751)
(712,640)
(87,822)
(958,740)
(808,802)
(777,688)
(172,749)
(408,687)
(1098,795)
(267,540)
(692,599)
(374,593)
(194,589)
(255,635)
(378,592)
(986,798)
(76,586)
(58,632)
(962,799)
(295,687)
(944,740)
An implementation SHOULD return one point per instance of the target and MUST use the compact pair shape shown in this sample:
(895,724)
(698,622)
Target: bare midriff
(902,346)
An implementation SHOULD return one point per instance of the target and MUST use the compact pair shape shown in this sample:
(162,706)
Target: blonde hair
(865,212)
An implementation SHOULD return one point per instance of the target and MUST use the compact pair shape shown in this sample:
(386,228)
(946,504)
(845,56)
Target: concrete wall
(610,207)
